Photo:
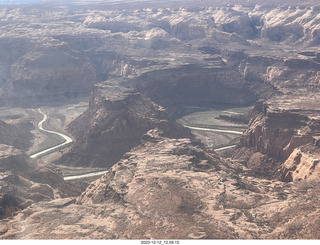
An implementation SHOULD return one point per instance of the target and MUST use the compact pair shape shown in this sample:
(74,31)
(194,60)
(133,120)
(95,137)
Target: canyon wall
(282,132)
(194,85)
(168,188)
(115,122)
(302,164)
(50,52)
(161,183)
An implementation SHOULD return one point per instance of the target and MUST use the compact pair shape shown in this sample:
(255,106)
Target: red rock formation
(276,133)
(302,164)
(115,122)
(281,133)
(170,189)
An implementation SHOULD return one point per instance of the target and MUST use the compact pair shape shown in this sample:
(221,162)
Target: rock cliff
(46,73)
(115,122)
(302,164)
(49,52)
(193,85)
(281,129)
(272,133)
(140,62)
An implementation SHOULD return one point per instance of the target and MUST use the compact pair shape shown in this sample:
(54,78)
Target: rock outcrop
(275,133)
(302,164)
(161,184)
(280,131)
(171,189)
(14,160)
(23,182)
(115,122)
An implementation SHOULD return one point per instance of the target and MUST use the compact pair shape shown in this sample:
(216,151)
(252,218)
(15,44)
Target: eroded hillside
(146,64)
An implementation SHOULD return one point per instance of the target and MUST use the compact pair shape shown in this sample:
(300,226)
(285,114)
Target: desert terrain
(159,119)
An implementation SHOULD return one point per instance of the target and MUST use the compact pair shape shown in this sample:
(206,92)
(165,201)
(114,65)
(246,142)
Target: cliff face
(194,85)
(49,52)
(46,73)
(281,131)
(302,164)
(275,133)
(115,122)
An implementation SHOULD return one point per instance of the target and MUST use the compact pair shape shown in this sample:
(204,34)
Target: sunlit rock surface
(142,62)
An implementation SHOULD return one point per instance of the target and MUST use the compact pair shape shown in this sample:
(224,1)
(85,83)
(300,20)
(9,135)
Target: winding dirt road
(218,131)
(225,148)
(66,141)
(82,176)
(66,138)
(215,130)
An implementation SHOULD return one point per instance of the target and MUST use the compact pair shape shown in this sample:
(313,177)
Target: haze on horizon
(160,119)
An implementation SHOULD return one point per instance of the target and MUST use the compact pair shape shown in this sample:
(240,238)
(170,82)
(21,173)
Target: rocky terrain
(63,52)
(16,135)
(115,122)
(171,189)
(144,64)
(279,130)
(24,182)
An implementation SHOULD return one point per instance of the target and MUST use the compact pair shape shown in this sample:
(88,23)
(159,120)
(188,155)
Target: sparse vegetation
(170,82)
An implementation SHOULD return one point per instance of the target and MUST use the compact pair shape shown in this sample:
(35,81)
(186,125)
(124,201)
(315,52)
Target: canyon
(185,121)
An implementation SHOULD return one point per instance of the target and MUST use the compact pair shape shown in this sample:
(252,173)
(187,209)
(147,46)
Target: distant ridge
(19,1)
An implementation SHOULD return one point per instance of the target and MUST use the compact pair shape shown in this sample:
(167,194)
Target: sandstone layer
(52,53)
(170,189)
(193,85)
(115,122)
(142,63)
(281,130)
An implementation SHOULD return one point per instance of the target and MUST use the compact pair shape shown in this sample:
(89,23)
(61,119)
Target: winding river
(66,138)
(215,130)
